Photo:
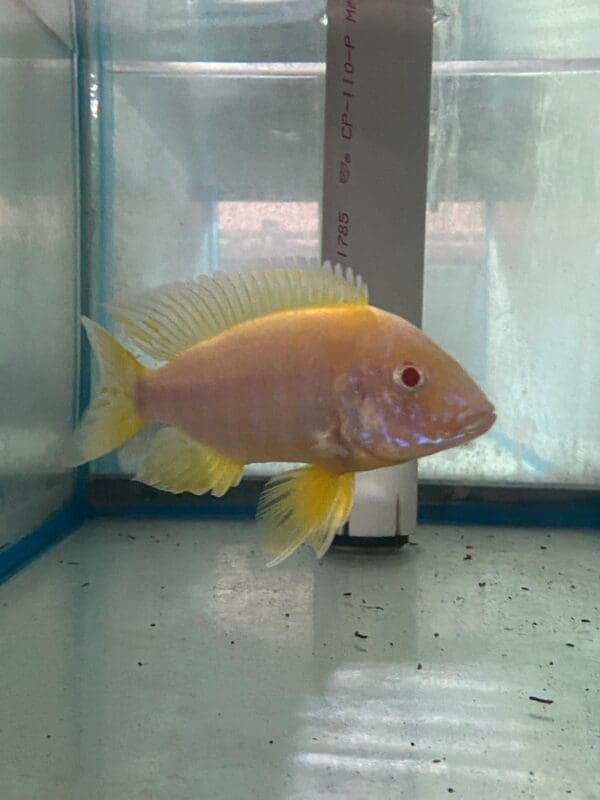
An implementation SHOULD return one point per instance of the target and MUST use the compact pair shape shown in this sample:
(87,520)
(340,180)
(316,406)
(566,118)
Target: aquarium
(147,649)
(40,263)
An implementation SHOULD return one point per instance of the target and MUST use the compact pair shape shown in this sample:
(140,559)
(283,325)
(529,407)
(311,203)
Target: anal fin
(177,463)
(309,505)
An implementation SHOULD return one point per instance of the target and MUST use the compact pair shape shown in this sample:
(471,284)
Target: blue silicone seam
(584,514)
(57,526)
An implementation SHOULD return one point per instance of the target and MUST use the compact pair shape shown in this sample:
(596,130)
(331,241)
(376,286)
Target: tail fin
(308,505)
(111,418)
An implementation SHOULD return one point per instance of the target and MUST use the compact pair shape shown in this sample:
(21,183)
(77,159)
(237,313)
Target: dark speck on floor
(83,585)
(347,594)
(570,644)
(468,557)
(481,583)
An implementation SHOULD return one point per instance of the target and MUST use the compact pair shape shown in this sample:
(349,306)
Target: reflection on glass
(38,253)
(212,167)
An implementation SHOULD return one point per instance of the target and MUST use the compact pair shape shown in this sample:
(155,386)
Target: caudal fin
(308,505)
(111,418)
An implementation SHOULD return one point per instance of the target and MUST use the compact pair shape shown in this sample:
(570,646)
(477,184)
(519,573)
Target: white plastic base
(385,502)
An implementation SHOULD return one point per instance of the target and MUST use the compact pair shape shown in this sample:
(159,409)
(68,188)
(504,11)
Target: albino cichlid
(288,365)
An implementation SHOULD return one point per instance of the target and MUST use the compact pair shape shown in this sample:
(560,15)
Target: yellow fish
(288,365)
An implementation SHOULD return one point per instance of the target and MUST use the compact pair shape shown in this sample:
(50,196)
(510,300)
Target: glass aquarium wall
(513,260)
(212,148)
(212,131)
(215,139)
(38,260)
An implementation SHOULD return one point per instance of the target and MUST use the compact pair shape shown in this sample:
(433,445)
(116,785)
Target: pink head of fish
(405,398)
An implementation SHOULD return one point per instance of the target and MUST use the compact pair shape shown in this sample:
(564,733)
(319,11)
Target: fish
(275,364)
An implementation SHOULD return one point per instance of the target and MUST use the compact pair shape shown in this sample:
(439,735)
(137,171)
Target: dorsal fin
(166,321)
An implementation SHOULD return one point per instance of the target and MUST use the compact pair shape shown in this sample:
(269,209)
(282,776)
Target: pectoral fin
(176,463)
(308,505)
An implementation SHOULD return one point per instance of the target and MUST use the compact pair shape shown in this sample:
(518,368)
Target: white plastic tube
(374,189)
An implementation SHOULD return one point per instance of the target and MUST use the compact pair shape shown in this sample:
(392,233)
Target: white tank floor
(161,661)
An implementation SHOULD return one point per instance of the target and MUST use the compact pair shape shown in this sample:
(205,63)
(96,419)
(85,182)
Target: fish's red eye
(408,377)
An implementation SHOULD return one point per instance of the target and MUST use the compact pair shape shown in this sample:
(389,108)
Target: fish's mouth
(471,426)
(463,429)
(479,423)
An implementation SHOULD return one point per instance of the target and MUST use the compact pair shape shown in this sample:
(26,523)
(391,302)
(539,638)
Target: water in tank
(164,177)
